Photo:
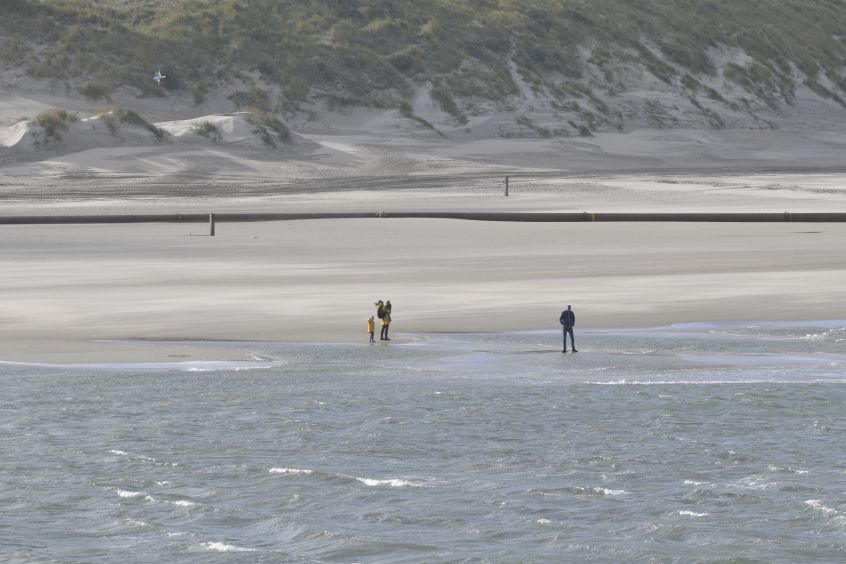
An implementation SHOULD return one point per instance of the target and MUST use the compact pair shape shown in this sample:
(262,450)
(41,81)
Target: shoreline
(208,354)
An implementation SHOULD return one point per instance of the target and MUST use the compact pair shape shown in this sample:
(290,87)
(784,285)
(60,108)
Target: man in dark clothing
(568,319)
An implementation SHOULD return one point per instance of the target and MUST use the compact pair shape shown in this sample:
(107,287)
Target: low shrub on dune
(270,128)
(115,117)
(208,130)
(53,122)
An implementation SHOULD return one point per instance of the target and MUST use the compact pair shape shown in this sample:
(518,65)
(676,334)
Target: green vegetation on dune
(52,123)
(268,127)
(466,52)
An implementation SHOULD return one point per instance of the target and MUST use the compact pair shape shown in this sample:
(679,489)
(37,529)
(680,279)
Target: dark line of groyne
(693,217)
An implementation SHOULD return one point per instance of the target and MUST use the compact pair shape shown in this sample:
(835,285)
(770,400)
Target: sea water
(708,443)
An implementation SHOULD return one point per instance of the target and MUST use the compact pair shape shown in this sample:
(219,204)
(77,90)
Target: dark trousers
(568,329)
(384,334)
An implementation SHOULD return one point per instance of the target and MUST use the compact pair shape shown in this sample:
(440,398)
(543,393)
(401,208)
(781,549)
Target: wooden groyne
(693,217)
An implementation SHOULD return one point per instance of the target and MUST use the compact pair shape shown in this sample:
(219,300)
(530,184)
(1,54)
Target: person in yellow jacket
(371,328)
(386,321)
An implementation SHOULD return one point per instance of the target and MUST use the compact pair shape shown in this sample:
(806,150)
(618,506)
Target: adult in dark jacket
(568,319)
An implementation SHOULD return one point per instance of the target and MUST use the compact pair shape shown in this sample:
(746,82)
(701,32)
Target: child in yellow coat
(371,328)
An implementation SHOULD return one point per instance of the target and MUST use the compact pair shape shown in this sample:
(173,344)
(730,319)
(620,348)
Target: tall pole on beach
(506,186)
(211,225)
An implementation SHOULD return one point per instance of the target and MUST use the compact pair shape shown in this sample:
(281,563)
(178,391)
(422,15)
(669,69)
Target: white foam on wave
(543,521)
(131,494)
(143,458)
(585,490)
(223,547)
(838,517)
(624,382)
(734,325)
(693,483)
(290,471)
(756,360)
(835,333)
(605,491)
(786,470)
(755,482)
(184,503)
(688,513)
(392,482)
(579,490)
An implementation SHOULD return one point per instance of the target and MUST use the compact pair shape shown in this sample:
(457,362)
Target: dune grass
(375,52)
(53,123)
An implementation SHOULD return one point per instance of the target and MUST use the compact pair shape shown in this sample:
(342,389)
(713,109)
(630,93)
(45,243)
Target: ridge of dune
(72,133)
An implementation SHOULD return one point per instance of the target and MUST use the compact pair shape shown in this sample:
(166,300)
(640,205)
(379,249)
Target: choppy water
(696,443)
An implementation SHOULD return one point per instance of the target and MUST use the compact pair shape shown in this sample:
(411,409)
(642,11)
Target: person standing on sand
(568,319)
(381,313)
(371,328)
(386,321)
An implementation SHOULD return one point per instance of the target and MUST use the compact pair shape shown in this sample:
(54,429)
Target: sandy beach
(149,292)
(170,292)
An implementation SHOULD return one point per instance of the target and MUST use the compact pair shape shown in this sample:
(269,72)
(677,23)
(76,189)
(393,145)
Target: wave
(624,382)
(688,513)
(786,470)
(128,494)
(600,491)
(817,505)
(370,482)
(143,458)
(836,333)
(836,516)
(580,490)
(392,482)
(223,547)
(754,482)
(290,471)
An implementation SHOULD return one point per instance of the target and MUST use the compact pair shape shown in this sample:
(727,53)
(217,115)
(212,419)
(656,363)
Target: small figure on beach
(386,321)
(371,328)
(568,319)
(383,312)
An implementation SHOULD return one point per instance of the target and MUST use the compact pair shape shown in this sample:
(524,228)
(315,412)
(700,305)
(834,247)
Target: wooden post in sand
(211,225)
(506,186)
